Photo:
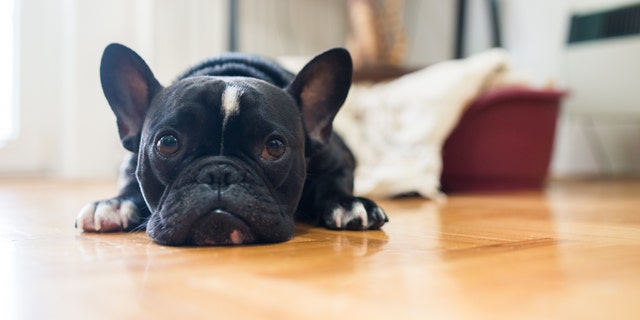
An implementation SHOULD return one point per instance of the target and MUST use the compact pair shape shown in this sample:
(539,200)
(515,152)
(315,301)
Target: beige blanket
(397,129)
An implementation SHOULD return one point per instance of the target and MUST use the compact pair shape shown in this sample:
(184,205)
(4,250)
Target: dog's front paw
(355,214)
(108,216)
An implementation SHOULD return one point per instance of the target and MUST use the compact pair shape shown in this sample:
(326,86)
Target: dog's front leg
(127,211)
(328,201)
(327,198)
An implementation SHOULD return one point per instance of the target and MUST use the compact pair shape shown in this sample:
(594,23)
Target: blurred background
(55,122)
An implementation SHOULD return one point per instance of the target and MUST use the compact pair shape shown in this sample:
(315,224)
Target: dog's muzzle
(217,201)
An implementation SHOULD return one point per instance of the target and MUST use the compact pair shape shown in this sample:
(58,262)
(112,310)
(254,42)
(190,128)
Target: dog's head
(222,160)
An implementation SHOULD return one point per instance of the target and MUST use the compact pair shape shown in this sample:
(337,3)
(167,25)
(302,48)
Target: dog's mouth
(220,227)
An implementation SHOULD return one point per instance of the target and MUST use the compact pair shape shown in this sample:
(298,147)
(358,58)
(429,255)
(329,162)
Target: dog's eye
(273,149)
(167,145)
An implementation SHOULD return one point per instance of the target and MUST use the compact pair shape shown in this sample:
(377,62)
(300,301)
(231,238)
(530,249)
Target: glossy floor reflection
(570,252)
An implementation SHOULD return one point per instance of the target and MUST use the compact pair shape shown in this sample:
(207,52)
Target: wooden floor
(570,252)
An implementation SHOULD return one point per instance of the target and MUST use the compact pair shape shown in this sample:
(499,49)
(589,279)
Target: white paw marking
(84,221)
(342,217)
(107,215)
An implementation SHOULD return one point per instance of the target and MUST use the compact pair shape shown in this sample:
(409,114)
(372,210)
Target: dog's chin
(219,228)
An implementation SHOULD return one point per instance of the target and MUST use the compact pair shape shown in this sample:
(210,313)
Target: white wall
(66,126)
(30,152)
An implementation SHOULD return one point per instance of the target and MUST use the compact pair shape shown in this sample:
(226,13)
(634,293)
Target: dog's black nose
(219,175)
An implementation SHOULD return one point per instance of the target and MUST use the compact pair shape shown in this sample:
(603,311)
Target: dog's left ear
(320,90)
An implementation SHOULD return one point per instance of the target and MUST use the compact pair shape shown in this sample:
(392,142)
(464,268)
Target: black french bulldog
(231,152)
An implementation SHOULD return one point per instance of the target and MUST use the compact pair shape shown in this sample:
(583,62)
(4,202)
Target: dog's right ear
(129,86)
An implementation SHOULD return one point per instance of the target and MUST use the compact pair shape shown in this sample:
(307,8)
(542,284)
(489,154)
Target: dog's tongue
(221,228)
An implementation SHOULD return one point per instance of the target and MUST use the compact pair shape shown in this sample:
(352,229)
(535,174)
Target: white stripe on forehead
(230,101)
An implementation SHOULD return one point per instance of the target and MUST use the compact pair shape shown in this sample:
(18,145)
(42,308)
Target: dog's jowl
(232,152)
